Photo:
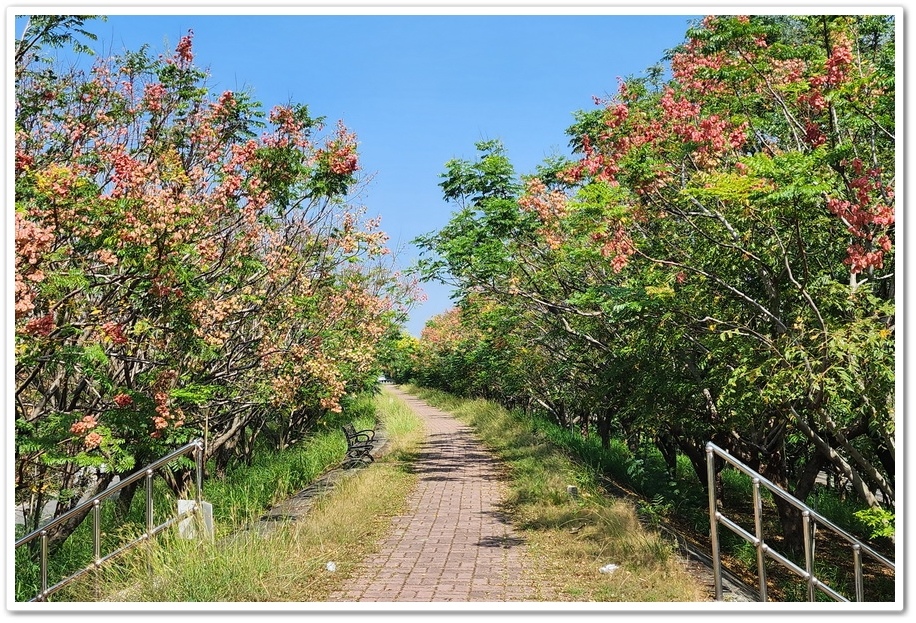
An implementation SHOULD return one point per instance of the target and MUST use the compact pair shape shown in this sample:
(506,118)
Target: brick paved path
(454,545)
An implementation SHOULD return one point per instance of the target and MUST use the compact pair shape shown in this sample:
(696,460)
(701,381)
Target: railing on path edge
(95,503)
(810,518)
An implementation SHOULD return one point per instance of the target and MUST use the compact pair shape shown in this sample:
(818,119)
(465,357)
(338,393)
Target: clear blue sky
(418,90)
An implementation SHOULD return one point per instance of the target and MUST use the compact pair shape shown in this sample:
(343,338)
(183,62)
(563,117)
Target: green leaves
(195,393)
(880,522)
(490,176)
(791,178)
(727,186)
(54,31)
(477,243)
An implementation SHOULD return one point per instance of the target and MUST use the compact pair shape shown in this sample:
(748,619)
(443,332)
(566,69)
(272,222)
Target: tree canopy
(716,263)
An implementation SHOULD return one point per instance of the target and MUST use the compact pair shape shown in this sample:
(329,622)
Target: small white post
(187,527)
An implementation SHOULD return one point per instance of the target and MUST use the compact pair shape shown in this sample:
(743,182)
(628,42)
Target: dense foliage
(186,266)
(716,263)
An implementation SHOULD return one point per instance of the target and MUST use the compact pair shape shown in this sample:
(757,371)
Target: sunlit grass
(403,427)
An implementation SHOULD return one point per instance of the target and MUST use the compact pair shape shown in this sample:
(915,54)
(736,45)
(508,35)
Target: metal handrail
(94,504)
(763,550)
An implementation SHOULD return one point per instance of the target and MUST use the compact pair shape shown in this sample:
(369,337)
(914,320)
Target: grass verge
(289,563)
(573,537)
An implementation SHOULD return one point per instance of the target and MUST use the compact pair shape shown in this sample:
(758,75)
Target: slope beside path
(454,544)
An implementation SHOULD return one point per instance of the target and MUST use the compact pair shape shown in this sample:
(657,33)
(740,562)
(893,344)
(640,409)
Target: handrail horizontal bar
(110,491)
(791,566)
(824,588)
(820,519)
(785,562)
(731,525)
(126,546)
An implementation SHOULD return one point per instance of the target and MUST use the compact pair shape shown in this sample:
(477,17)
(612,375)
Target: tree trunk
(804,485)
(697,456)
(604,428)
(774,469)
(668,448)
(126,498)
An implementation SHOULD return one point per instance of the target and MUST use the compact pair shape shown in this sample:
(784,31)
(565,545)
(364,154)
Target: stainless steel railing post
(713,522)
(96,543)
(857,561)
(809,553)
(149,503)
(44,565)
(761,546)
(96,531)
(199,455)
(149,521)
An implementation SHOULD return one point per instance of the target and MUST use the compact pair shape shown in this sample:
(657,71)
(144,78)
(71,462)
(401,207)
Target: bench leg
(357,461)
(358,455)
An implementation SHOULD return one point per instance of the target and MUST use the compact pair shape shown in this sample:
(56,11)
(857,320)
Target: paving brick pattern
(454,544)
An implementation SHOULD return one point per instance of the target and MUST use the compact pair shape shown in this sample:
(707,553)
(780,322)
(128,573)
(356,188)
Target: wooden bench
(359,446)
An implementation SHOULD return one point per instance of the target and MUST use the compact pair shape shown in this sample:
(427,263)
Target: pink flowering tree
(185,267)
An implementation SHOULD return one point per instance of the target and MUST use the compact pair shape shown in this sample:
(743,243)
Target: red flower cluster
(24,161)
(92,440)
(123,400)
(618,114)
(550,206)
(115,332)
(162,408)
(602,166)
(813,135)
(838,63)
(152,95)
(859,259)
(341,151)
(83,426)
(712,135)
(814,99)
(162,291)
(619,247)
(183,49)
(283,117)
(40,326)
(164,415)
(32,242)
(343,161)
(866,217)
(695,70)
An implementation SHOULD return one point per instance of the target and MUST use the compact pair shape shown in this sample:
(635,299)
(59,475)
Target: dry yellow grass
(569,553)
(343,528)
